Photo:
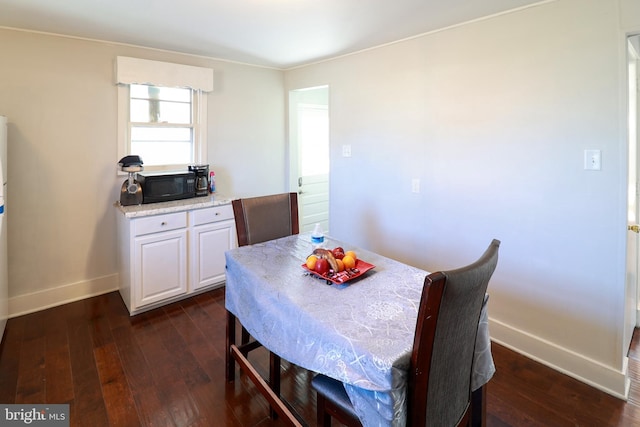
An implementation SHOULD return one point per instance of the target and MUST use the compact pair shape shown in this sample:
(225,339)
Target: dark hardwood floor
(166,368)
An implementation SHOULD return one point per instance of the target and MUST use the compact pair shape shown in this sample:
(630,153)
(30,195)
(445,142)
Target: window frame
(199,123)
(139,71)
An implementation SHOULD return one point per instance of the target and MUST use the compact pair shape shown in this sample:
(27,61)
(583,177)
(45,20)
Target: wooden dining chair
(263,218)
(259,219)
(439,380)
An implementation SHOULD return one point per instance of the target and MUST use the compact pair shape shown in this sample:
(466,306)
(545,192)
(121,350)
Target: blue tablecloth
(360,333)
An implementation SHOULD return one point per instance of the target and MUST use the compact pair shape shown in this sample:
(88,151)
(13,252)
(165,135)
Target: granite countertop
(148,209)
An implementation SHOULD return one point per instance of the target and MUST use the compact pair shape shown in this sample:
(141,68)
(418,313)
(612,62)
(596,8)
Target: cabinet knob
(163,223)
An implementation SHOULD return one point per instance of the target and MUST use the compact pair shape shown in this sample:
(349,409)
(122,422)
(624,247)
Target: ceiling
(272,33)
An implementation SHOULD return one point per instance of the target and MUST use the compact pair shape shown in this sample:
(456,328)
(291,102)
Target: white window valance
(157,73)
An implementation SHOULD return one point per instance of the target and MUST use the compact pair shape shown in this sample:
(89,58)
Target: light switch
(346,150)
(592,160)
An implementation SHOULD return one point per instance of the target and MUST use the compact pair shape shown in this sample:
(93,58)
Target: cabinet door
(209,243)
(160,266)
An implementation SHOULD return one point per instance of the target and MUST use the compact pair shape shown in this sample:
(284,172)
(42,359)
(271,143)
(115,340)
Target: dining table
(359,332)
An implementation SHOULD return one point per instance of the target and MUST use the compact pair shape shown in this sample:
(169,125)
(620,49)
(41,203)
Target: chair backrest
(444,344)
(263,218)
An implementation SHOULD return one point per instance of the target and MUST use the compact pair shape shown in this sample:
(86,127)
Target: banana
(328,255)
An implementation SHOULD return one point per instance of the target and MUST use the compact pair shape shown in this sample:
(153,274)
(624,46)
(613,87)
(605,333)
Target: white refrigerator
(4,276)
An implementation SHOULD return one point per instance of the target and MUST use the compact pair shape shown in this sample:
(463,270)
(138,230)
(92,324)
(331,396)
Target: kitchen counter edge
(138,211)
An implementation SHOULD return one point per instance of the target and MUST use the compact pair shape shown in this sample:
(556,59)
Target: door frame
(631,312)
(295,98)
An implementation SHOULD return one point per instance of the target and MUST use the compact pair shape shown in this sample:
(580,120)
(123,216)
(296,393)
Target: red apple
(322,266)
(338,253)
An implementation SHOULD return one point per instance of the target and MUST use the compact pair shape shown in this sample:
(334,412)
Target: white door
(309,151)
(4,274)
(631,290)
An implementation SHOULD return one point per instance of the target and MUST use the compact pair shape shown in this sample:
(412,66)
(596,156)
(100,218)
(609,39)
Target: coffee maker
(202,179)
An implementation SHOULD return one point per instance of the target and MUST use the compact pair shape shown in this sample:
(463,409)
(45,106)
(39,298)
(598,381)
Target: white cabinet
(159,266)
(212,234)
(167,257)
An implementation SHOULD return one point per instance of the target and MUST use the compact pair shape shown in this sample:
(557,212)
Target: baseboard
(594,373)
(47,298)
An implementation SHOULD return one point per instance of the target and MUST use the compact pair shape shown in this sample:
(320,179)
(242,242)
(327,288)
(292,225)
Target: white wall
(60,98)
(493,117)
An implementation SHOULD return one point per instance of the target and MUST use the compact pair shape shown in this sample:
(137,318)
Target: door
(309,153)
(631,289)
(4,274)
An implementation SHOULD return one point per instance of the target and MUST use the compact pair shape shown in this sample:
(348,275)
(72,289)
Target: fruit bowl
(344,276)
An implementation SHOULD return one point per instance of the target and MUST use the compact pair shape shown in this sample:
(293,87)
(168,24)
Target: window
(161,124)
(162,112)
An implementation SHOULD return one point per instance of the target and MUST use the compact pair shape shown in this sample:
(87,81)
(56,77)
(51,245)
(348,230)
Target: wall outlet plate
(592,160)
(415,185)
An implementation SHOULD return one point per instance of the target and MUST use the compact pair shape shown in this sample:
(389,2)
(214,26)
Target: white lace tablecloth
(360,333)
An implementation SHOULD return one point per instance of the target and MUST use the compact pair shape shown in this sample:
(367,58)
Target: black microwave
(166,186)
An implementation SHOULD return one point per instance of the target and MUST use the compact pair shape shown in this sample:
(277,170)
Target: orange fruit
(311,262)
(340,265)
(348,261)
(352,254)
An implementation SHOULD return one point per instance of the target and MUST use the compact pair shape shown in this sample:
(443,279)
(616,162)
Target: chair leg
(323,418)
(479,407)
(274,378)
(244,338)
(230,340)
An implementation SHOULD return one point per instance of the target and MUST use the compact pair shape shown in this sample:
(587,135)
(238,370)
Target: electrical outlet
(415,185)
(592,160)
(346,150)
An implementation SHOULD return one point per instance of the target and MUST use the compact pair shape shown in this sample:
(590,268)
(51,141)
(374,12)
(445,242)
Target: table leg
(230,341)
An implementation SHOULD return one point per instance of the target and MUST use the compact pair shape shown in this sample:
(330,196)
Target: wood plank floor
(166,368)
